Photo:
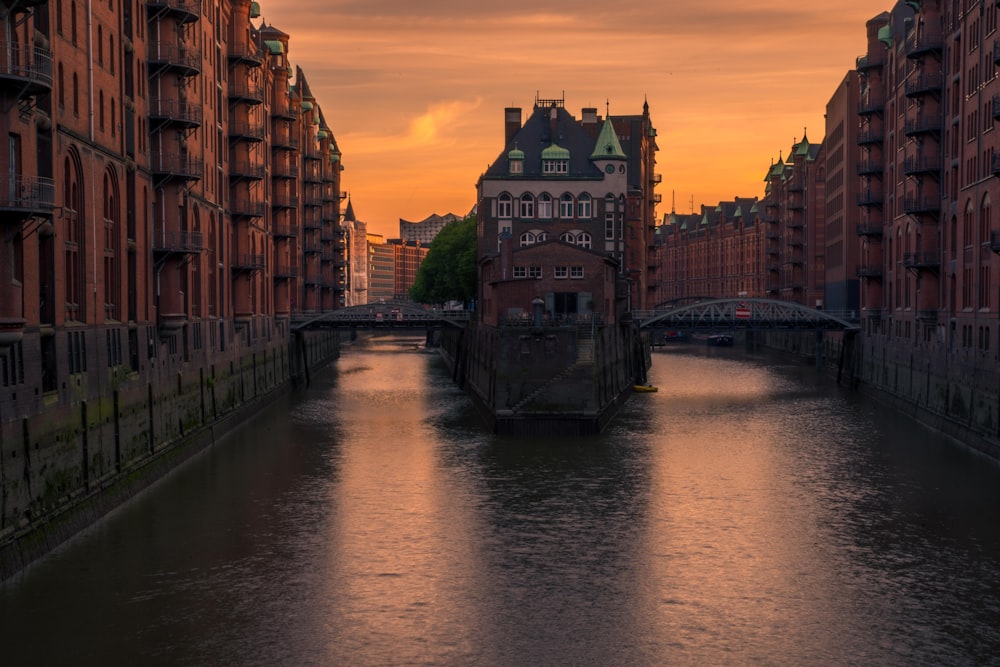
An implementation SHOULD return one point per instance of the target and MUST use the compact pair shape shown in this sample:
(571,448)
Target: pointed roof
(349,213)
(608,147)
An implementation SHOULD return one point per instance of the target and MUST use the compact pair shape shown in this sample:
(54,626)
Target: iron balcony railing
(178,241)
(27,66)
(27,193)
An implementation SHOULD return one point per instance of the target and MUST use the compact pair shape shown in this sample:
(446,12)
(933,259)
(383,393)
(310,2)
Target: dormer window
(555,161)
(555,167)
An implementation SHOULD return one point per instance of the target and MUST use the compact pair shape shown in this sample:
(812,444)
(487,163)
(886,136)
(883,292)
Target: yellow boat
(643,388)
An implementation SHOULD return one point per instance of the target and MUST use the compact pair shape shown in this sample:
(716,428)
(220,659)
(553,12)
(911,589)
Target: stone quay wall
(956,392)
(69,464)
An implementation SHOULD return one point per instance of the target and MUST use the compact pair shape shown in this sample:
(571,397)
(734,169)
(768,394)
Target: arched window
(61,85)
(100,107)
(985,221)
(545,206)
(111,52)
(100,45)
(527,238)
(112,247)
(568,237)
(72,22)
(76,95)
(583,239)
(527,207)
(585,207)
(74,247)
(504,205)
(566,206)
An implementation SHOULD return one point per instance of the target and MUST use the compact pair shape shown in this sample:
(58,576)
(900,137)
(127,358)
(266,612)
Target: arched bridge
(744,313)
(388,315)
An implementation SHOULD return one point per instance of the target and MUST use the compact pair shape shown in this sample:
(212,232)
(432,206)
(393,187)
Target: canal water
(747,513)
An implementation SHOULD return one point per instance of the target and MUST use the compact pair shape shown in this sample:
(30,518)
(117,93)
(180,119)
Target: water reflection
(748,512)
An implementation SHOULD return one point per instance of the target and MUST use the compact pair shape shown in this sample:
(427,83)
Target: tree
(448,273)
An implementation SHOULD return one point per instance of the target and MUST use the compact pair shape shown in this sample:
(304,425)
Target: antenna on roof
(607,108)
(692,203)
(673,201)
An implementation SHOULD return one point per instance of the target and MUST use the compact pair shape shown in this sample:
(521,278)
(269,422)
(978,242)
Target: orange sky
(415,92)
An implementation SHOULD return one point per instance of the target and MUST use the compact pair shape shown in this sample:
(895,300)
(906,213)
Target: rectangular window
(560,272)
(584,207)
(520,272)
(609,226)
(534,272)
(576,272)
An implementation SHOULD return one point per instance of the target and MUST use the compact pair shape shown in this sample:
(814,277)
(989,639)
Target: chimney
(512,123)
(589,121)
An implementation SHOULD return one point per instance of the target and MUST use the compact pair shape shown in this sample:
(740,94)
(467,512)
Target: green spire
(608,147)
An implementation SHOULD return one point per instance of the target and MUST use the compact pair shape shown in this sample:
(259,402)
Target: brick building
(716,253)
(579,187)
(171,196)
(930,252)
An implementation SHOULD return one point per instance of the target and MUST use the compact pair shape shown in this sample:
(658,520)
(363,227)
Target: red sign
(742,311)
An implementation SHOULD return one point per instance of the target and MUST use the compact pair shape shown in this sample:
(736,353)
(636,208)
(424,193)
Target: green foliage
(448,273)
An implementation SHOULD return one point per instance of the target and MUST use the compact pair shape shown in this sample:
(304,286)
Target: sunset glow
(415,92)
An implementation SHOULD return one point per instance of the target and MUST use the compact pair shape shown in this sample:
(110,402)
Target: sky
(415,91)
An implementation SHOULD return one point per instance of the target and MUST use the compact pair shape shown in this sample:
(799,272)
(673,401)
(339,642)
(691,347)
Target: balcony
(279,170)
(25,69)
(184,11)
(286,271)
(247,262)
(245,170)
(244,207)
(167,166)
(312,247)
(169,57)
(281,200)
(870,62)
(247,131)
(873,313)
(314,280)
(870,198)
(312,176)
(870,271)
(284,231)
(870,135)
(923,124)
(870,167)
(21,196)
(922,166)
(868,107)
(284,139)
(178,242)
(921,43)
(310,224)
(923,84)
(177,113)
(870,229)
(246,91)
(284,112)
(247,54)
(921,261)
(921,205)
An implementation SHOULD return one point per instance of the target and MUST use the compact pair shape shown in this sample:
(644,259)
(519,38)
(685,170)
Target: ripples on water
(747,513)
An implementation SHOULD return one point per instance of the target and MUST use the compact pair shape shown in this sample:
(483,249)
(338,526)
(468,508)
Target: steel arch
(753,313)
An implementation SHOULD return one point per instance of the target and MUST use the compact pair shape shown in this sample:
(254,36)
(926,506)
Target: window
(566,206)
(534,272)
(585,207)
(583,239)
(560,272)
(527,209)
(568,237)
(609,225)
(504,206)
(61,84)
(520,272)
(527,238)
(76,95)
(544,206)
(555,166)
(516,166)
(576,272)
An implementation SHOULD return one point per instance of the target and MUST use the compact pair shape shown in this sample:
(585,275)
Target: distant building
(381,269)
(716,253)
(424,231)
(354,236)
(407,257)
(843,164)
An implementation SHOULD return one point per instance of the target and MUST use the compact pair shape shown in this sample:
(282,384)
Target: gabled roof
(536,136)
